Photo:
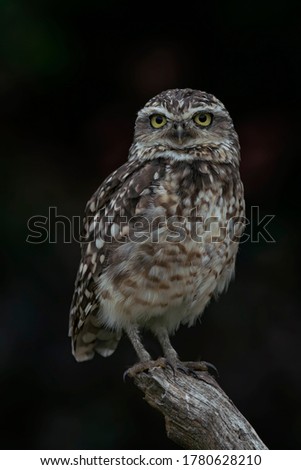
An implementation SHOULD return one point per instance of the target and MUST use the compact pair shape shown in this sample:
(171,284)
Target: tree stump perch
(198,414)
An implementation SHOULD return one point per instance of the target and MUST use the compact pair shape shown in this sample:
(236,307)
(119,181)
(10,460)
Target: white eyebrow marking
(214,109)
(155,110)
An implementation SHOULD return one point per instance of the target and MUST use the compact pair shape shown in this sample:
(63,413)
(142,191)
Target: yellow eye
(158,120)
(203,119)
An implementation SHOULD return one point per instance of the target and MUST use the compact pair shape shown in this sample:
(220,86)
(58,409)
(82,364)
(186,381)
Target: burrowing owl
(161,233)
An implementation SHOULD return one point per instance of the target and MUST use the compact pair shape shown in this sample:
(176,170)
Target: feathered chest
(189,199)
(161,209)
(162,238)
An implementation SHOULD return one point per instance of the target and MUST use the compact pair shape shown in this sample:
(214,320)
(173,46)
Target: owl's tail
(91,340)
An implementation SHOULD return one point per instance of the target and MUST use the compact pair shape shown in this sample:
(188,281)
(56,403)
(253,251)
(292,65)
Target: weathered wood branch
(198,414)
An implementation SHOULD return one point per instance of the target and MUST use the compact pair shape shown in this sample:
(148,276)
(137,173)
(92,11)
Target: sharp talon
(125,374)
(170,364)
(193,373)
(188,371)
(203,366)
(184,367)
(211,369)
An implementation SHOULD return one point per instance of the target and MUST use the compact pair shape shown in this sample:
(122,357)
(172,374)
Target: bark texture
(198,414)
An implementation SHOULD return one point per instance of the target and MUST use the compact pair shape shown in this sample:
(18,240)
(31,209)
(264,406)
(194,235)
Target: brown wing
(115,199)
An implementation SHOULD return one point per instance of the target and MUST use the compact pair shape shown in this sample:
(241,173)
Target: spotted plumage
(161,233)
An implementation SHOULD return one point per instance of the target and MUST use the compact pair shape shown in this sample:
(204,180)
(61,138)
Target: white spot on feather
(99,243)
(92,206)
(115,229)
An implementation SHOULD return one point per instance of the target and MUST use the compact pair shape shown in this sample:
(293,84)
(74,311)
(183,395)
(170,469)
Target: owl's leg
(146,362)
(133,333)
(169,352)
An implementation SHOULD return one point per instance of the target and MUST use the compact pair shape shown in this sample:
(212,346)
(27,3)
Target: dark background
(73,74)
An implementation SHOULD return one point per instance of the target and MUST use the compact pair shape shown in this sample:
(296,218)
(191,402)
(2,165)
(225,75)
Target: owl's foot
(202,366)
(144,366)
(191,368)
(188,368)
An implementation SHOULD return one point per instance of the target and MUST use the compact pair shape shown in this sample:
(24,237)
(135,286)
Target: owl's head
(185,124)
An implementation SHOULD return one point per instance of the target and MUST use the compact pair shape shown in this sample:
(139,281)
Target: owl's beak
(179,131)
